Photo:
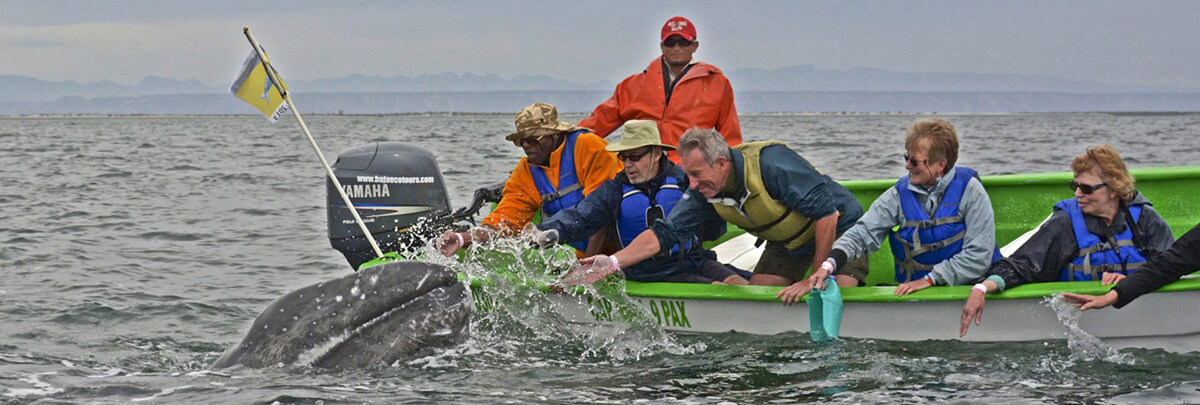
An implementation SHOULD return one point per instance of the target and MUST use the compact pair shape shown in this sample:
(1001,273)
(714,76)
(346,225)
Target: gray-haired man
(765,188)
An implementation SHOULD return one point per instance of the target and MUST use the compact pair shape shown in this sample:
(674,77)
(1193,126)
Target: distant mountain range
(509,102)
(796,88)
(809,78)
(21,89)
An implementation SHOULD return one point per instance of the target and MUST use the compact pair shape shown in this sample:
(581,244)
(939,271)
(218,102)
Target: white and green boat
(412,187)
(1157,320)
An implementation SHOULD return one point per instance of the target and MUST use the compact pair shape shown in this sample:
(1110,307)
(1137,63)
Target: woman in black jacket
(1182,258)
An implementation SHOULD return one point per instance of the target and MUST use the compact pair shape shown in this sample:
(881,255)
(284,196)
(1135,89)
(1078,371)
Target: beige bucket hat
(539,119)
(636,134)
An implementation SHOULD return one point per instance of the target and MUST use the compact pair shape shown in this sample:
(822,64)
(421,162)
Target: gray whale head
(371,318)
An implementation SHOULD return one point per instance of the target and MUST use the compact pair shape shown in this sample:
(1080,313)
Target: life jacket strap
(727,201)
(1097,269)
(1087,266)
(559,193)
(777,221)
(916,247)
(954,219)
(807,224)
(911,267)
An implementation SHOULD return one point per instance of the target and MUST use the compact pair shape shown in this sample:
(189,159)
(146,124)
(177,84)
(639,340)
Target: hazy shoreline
(570,114)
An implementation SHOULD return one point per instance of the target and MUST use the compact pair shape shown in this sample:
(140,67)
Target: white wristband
(827,266)
(981,287)
(460,239)
(616,264)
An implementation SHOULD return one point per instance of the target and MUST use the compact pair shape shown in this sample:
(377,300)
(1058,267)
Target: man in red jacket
(676,91)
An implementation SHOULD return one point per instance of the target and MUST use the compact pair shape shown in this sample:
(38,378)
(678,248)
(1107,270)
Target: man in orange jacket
(676,91)
(562,164)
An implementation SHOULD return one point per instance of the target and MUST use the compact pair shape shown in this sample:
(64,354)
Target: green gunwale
(878,294)
(750,293)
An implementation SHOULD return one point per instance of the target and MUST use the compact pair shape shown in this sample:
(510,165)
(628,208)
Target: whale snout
(374,317)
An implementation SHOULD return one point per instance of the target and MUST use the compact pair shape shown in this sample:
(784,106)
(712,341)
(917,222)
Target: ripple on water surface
(122,283)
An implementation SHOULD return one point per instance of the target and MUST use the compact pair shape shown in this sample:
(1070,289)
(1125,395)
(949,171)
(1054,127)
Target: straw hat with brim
(636,134)
(537,120)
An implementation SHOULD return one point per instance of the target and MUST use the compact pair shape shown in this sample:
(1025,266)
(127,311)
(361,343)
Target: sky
(1154,43)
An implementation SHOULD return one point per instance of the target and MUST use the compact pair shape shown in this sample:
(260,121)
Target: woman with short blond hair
(1109,166)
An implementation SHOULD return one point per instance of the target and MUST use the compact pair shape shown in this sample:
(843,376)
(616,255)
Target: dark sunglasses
(1086,189)
(530,141)
(914,161)
(631,156)
(670,42)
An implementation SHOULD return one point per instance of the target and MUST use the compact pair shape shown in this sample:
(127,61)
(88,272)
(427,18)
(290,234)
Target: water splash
(518,297)
(631,331)
(1083,345)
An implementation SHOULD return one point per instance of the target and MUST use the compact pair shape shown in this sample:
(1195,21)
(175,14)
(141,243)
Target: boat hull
(1158,320)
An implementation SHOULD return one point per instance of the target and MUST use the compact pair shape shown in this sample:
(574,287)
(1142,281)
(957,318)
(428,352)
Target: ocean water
(135,250)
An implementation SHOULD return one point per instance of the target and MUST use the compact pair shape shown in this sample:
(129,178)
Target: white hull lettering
(670,313)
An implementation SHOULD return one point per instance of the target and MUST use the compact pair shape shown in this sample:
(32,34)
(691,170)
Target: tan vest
(757,212)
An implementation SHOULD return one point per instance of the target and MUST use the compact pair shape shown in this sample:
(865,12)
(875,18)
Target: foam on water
(39,387)
(164,392)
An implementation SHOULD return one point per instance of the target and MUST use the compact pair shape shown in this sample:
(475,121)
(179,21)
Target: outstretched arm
(1086,302)
(973,310)
(681,224)
(594,268)
(643,247)
(826,231)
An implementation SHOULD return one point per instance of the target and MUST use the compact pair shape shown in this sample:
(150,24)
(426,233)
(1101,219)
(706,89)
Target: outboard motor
(393,186)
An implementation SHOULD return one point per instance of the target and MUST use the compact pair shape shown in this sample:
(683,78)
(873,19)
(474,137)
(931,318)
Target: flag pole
(274,77)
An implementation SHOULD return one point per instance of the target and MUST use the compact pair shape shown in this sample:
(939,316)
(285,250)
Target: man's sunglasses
(1086,189)
(530,141)
(670,42)
(914,161)
(632,157)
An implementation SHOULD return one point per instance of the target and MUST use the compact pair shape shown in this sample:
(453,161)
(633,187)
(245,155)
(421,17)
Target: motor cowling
(394,187)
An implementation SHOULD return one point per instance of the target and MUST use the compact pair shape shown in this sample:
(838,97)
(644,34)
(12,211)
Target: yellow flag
(254,86)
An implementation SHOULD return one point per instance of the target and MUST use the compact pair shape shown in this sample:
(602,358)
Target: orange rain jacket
(521,199)
(702,98)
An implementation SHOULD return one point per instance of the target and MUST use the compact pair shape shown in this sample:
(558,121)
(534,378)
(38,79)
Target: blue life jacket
(921,241)
(632,218)
(1096,255)
(637,211)
(569,191)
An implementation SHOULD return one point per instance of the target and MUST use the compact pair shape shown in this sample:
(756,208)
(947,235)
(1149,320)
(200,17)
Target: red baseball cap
(679,26)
